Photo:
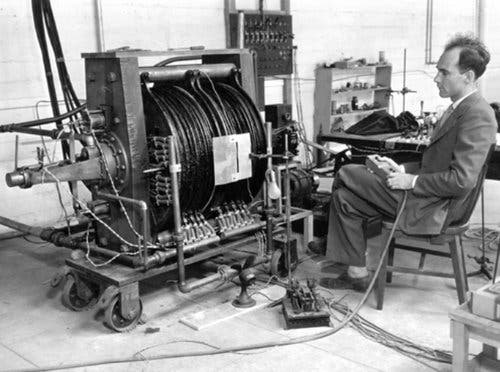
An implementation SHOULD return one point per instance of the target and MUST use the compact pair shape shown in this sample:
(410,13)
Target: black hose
(34,123)
(37,7)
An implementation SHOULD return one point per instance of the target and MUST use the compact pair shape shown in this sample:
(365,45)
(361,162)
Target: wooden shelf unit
(330,94)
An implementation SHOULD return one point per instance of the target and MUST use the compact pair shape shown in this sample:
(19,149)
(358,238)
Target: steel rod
(287,210)
(174,168)
(269,202)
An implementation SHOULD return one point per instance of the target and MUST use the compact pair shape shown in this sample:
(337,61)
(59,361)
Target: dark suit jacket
(449,168)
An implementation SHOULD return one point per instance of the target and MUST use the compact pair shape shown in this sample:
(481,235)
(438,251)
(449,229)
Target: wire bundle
(195,111)
(400,344)
(43,19)
(242,117)
(44,22)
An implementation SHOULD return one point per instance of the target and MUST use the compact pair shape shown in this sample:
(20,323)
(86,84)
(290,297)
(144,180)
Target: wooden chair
(451,236)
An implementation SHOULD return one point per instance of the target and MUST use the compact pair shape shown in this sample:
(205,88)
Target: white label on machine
(232,158)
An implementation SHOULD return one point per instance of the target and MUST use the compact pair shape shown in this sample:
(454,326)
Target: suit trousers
(357,194)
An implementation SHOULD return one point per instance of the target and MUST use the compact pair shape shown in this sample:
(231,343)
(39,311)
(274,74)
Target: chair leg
(380,284)
(457,258)
(422,261)
(463,260)
(390,259)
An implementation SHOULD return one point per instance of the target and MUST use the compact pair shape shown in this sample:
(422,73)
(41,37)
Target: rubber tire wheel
(277,264)
(70,297)
(114,319)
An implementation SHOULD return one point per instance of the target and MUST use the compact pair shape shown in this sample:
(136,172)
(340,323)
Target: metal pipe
(175,168)
(189,248)
(269,204)
(227,274)
(32,230)
(99,26)
(143,209)
(59,238)
(159,257)
(178,72)
(479,20)
(480,31)
(287,210)
(188,287)
(85,170)
(241,30)
(62,240)
(428,32)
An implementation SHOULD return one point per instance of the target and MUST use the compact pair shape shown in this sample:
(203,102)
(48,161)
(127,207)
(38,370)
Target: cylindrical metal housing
(178,72)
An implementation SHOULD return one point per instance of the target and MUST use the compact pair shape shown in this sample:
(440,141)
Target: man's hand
(400,181)
(391,163)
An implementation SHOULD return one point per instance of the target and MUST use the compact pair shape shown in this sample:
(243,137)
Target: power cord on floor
(297,340)
(381,336)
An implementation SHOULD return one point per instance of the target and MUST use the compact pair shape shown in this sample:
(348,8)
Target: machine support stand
(287,212)
(269,203)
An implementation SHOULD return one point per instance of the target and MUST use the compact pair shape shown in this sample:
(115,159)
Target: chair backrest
(471,200)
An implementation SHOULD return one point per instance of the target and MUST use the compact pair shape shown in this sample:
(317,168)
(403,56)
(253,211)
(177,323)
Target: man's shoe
(344,281)
(317,247)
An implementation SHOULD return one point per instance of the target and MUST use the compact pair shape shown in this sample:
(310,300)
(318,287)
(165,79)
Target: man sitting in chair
(437,186)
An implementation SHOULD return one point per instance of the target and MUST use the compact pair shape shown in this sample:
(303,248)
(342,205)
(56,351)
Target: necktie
(445,116)
(442,120)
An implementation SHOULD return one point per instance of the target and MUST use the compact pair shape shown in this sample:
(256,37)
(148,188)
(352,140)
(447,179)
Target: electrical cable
(33,123)
(300,116)
(112,183)
(82,204)
(44,21)
(348,317)
(58,189)
(491,236)
(401,345)
(37,8)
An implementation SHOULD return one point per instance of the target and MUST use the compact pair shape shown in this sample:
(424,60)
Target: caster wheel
(114,319)
(72,300)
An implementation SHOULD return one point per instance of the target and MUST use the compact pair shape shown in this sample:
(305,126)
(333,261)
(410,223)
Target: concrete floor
(37,331)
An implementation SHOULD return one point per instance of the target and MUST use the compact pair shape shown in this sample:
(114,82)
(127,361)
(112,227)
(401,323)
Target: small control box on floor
(302,307)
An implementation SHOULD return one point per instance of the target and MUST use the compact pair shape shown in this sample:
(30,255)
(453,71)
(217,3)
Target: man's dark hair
(473,53)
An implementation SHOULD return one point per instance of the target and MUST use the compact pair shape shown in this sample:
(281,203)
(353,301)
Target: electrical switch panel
(270,36)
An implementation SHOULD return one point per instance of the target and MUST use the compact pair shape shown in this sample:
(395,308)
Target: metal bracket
(231,158)
(107,295)
(129,300)
(59,276)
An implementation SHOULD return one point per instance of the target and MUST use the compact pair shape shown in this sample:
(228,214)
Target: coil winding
(194,111)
